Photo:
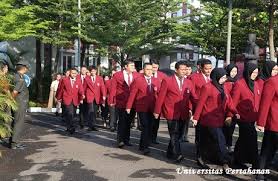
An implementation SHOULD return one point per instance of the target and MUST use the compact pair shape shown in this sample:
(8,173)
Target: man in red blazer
(120,90)
(198,80)
(160,76)
(95,93)
(173,102)
(71,93)
(113,111)
(83,107)
(143,93)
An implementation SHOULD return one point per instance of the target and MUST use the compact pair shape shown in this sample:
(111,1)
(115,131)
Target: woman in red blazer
(268,122)
(214,102)
(246,96)
(269,69)
(228,129)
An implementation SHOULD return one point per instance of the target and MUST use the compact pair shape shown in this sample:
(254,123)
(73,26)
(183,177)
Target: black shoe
(72,130)
(185,139)
(17,146)
(112,129)
(56,114)
(81,127)
(202,164)
(155,142)
(169,155)
(92,129)
(128,144)
(179,159)
(146,151)
(139,128)
(121,144)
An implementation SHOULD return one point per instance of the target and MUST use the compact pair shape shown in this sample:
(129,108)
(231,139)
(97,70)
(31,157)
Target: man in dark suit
(198,80)
(120,90)
(95,94)
(160,76)
(143,93)
(175,100)
(71,93)
(83,107)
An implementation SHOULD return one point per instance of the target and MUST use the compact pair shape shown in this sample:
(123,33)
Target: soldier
(21,95)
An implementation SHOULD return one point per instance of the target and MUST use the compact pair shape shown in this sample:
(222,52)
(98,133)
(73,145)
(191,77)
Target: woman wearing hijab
(268,122)
(246,96)
(269,69)
(229,127)
(210,112)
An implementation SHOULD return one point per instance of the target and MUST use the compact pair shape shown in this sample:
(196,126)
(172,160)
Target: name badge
(76,86)
(258,92)
(97,84)
(188,91)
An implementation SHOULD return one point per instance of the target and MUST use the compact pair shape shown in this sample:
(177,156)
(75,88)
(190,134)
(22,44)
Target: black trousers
(269,148)
(124,124)
(197,140)
(70,111)
(104,111)
(213,145)
(155,128)
(228,132)
(185,131)
(92,114)
(246,148)
(113,116)
(175,128)
(146,120)
(83,113)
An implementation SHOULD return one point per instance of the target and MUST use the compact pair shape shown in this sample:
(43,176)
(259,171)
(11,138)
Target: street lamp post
(78,40)
(229,38)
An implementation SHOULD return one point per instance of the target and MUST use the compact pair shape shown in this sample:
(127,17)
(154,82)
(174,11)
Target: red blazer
(268,113)
(107,84)
(69,94)
(139,93)
(261,82)
(172,103)
(94,91)
(246,102)
(198,81)
(161,76)
(120,90)
(229,86)
(211,109)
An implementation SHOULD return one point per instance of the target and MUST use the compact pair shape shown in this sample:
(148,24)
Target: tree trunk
(271,31)
(39,86)
(57,59)
(83,51)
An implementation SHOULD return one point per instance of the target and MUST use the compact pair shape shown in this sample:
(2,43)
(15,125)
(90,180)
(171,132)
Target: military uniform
(22,100)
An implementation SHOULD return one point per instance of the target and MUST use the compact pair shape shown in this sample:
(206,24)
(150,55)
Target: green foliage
(7,103)
(18,21)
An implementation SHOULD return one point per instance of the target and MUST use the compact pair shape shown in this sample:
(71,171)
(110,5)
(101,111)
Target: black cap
(24,63)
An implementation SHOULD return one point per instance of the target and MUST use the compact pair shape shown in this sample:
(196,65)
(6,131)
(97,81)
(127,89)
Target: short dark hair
(155,61)
(84,66)
(73,68)
(199,62)
(146,64)
(205,62)
(128,61)
(20,67)
(179,63)
(92,68)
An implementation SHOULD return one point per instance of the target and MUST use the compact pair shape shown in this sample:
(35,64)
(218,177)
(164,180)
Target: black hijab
(229,68)
(267,69)
(215,76)
(248,70)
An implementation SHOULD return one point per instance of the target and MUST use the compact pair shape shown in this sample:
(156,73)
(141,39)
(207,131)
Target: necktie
(93,79)
(129,80)
(149,85)
(181,83)
(72,82)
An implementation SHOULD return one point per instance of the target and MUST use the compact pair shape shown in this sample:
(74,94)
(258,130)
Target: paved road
(53,155)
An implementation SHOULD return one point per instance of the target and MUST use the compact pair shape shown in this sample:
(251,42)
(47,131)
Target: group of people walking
(214,100)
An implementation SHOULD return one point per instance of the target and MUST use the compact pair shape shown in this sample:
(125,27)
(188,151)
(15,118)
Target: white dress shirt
(126,76)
